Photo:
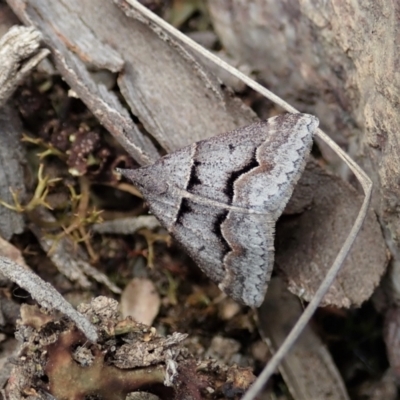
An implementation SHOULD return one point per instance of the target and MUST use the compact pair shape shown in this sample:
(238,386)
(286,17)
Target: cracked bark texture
(341,60)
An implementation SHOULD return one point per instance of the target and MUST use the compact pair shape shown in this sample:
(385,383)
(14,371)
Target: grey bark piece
(45,294)
(191,87)
(106,107)
(103,103)
(18,48)
(83,40)
(305,249)
(165,87)
(12,158)
(308,368)
(126,226)
(19,53)
(221,198)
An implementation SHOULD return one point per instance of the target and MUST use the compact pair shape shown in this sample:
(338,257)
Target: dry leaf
(140,300)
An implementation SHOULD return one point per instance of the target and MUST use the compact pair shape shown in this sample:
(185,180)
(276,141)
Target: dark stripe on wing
(229,186)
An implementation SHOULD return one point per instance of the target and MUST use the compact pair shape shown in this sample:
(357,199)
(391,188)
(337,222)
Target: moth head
(146,181)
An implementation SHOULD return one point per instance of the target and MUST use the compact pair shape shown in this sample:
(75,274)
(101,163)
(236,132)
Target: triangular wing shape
(221,197)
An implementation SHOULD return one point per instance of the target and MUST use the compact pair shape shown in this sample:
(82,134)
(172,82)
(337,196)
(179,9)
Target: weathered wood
(175,99)
(308,368)
(45,294)
(315,237)
(19,53)
(12,159)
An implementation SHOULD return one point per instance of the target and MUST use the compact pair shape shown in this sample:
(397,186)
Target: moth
(220,198)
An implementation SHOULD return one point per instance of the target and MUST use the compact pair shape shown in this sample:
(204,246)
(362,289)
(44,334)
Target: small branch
(45,294)
(126,226)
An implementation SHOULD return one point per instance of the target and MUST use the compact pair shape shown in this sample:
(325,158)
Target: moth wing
(255,167)
(236,250)
(220,198)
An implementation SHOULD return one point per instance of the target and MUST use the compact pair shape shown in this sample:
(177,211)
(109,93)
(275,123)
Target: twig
(126,226)
(45,294)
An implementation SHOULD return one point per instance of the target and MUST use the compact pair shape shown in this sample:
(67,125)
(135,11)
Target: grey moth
(220,198)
